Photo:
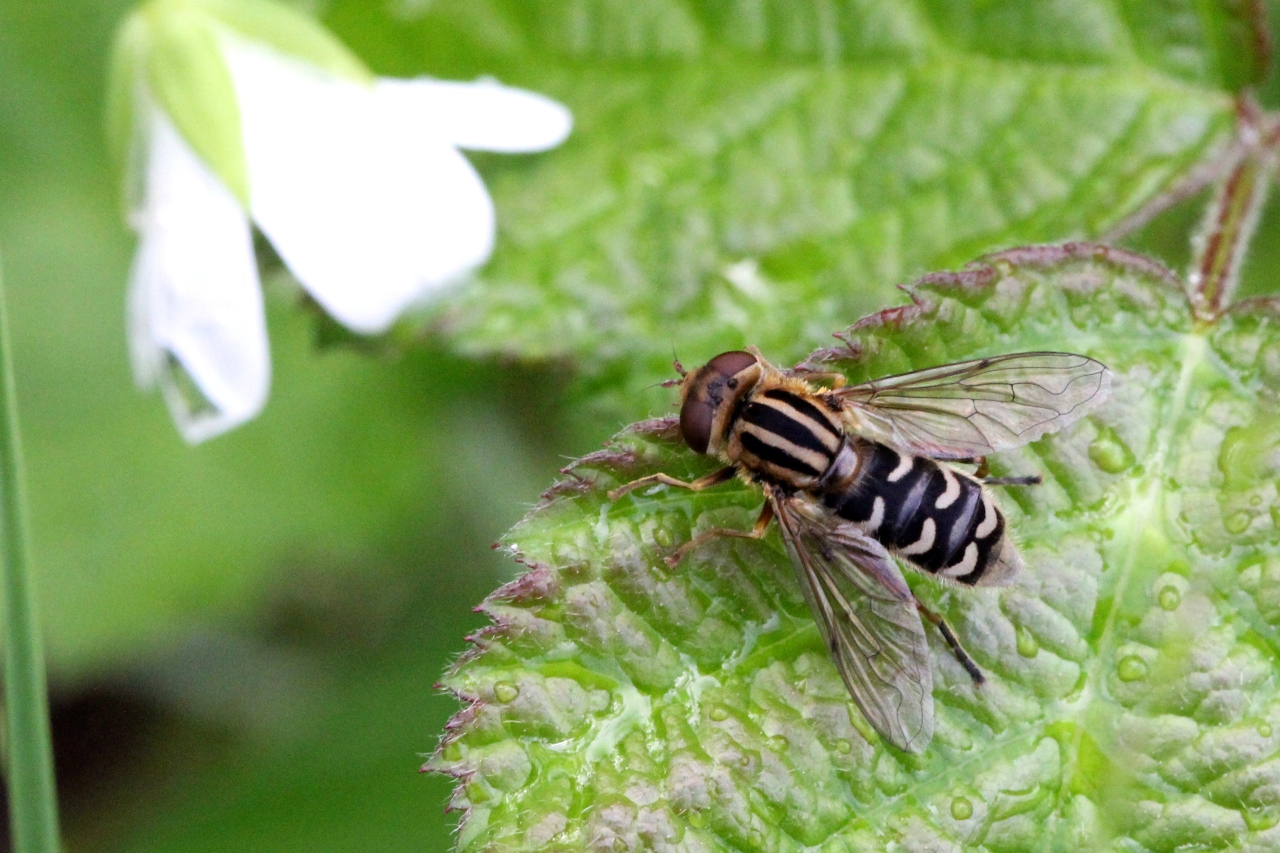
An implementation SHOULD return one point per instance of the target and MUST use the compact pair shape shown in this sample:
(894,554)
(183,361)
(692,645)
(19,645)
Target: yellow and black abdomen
(941,520)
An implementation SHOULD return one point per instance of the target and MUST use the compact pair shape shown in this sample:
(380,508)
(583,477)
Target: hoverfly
(856,474)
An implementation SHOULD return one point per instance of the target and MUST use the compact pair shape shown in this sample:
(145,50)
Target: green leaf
(1132,695)
(761,173)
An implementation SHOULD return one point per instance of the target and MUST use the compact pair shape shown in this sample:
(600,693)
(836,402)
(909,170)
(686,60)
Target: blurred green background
(243,636)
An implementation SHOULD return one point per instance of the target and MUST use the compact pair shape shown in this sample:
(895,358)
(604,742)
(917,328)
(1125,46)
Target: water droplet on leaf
(505,692)
(1027,645)
(844,746)
(1132,668)
(718,714)
(1264,729)
(779,743)
(961,808)
(1237,522)
(1259,820)
(1170,598)
(1110,454)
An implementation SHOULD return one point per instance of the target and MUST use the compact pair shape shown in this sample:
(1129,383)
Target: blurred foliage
(761,173)
(384,479)
(378,469)
(136,533)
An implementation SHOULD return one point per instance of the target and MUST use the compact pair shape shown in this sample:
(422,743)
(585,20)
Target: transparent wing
(973,408)
(868,619)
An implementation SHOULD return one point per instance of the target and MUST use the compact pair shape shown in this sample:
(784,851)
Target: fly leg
(714,479)
(1033,480)
(836,378)
(984,470)
(983,473)
(756,532)
(697,485)
(956,649)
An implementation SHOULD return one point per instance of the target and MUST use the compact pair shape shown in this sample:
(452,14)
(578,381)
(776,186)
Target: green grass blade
(32,801)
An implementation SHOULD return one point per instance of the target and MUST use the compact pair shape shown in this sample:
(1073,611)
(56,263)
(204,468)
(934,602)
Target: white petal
(195,306)
(370,212)
(484,115)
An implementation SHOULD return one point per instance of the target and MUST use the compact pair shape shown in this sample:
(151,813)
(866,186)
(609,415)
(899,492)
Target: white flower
(358,184)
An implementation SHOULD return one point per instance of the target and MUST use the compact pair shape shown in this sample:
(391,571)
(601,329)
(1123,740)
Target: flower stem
(1232,216)
(32,802)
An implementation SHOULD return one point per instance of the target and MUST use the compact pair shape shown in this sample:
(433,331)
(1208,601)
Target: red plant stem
(1232,217)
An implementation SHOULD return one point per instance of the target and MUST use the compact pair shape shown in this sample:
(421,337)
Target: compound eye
(695,424)
(731,363)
